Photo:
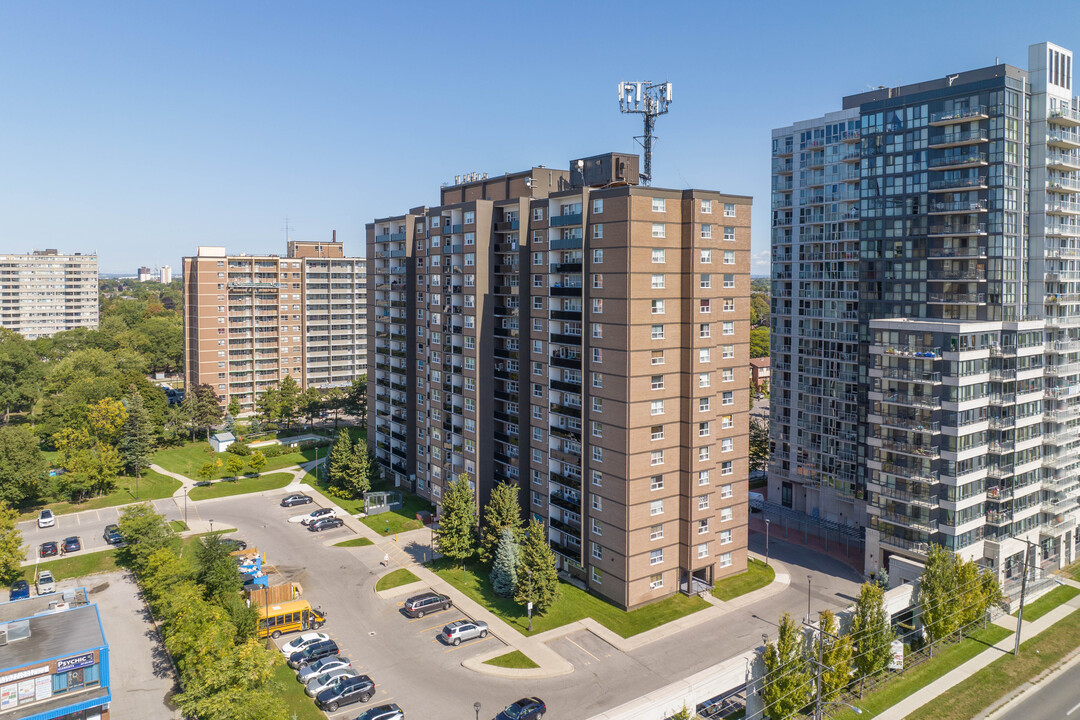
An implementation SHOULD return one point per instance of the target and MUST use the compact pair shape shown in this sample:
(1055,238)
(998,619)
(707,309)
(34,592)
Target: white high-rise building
(44,292)
(165,274)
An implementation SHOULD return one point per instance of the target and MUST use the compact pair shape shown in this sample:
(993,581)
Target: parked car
(233,544)
(420,605)
(325,524)
(328,679)
(460,630)
(524,709)
(112,535)
(19,589)
(320,666)
(383,712)
(48,549)
(46,583)
(346,692)
(46,519)
(72,544)
(298,644)
(297,499)
(311,653)
(318,514)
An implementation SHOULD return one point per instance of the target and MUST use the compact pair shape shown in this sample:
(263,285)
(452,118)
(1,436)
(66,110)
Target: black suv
(420,605)
(313,652)
(346,692)
(298,499)
(112,535)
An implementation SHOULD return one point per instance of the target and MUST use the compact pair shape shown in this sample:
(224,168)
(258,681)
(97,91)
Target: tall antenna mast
(650,101)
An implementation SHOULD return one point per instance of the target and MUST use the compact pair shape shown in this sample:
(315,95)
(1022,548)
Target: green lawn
(224,488)
(355,542)
(178,525)
(1073,571)
(757,576)
(74,566)
(394,579)
(573,605)
(401,520)
(353,506)
(189,458)
(1049,601)
(514,659)
(151,486)
(896,690)
(1005,674)
(297,704)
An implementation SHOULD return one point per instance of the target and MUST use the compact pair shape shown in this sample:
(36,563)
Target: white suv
(45,583)
(46,519)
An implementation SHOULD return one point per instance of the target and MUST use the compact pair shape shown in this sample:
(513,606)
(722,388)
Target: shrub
(239,448)
(271,451)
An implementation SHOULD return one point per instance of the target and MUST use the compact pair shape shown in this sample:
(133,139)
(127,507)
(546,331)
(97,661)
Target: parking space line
(428,614)
(568,639)
(433,627)
(477,641)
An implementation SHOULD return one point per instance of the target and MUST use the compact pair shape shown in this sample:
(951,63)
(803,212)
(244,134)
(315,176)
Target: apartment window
(658,281)
(703,526)
(729,257)
(597,232)
(538,347)
(656,556)
(538,301)
(469,217)
(727,445)
(538,258)
(597,281)
(704,330)
(729,281)
(597,552)
(598,255)
(729,328)
(597,576)
(597,330)
(537,456)
(703,453)
(727,351)
(598,206)
(706,232)
(725,491)
(657,432)
(706,256)
(657,357)
(470,259)
(729,304)
(704,355)
(657,307)
(725,537)
(657,332)
(728,398)
(704,380)
(470,404)
(597,353)
(659,230)
(703,502)
(727,467)
(538,412)
(657,483)
(538,213)
(703,429)
(659,255)
(597,429)
(659,205)
(538,435)
(703,404)
(538,368)
(656,407)
(706,207)
(538,281)
(704,306)
(656,581)
(727,421)
(598,405)
(538,390)
(598,306)
(656,532)
(597,528)
(729,233)
(597,478)
(703,551)
(597,454)
(657,382)
(538,325)
(726,514)
(597,503)
(705,282)
(725,560)
(656,457)
(597,380)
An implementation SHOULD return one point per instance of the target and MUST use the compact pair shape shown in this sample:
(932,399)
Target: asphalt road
(1053,699)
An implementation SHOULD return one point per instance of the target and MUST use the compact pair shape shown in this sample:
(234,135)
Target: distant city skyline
(140,132)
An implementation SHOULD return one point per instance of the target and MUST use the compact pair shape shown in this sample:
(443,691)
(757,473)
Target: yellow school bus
(287,617)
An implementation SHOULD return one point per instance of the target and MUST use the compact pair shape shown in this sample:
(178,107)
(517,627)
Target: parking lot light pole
(530,601)
(476,707)
(766,542)
(809,582)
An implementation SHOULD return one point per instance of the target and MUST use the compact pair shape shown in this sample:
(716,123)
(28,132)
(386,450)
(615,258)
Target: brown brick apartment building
(250,320)
(587,338)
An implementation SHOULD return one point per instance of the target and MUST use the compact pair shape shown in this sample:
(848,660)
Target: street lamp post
(185,505)
(766,542)
(476,707)
(809,582)
(211,527)
(529,606)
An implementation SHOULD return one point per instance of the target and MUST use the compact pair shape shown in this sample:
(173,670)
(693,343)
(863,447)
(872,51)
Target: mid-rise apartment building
(587,339)
(926,315)
(250,320)
(45,292)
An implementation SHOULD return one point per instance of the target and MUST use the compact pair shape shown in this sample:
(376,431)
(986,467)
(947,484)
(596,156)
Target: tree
(288,400)
(538,571)
(759,444)
(341,459)
(206,409)
(504,572)
(759,309)
(89,452)
(209,469)
(939,602)
(215,569)
(235,466)
(234,407)
(21,372)
(310,404)
(136,435)
(502,511)
(759,342)
(268,405)
(23,467)
(334,400)
(358,473)
(11,547)
(683,714)
(145,531)
(355,401)
(835,657)
(257,462)
(456,535)
(788,685)
(872,633)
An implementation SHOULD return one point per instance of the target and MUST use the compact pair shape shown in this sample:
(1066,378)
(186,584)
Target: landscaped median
(757,576)
(394,579)
(515,660)
(225,488)
(91,563)
(574,604)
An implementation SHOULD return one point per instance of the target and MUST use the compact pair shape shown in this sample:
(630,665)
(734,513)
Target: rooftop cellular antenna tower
(650,101)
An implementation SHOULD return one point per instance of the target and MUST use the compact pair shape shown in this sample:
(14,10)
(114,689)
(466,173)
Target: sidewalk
(1005,647)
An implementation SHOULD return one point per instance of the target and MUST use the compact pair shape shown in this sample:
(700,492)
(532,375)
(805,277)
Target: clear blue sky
(141,130)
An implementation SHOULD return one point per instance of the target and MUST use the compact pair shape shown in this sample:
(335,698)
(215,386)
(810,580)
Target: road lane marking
(1075,708)
(582,649)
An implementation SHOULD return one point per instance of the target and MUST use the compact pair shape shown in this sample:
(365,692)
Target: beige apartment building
(46,291)
(588,339)
(250,320)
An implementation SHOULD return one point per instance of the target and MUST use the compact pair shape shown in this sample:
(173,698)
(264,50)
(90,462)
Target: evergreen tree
(310,403)
(289,399)
(268,405)
(537,570)
(11,547)
(835,657)
(456,535)
(939,601)
(788,686)
(504,573)
(340,459)
(136,435)
(502,511)
(358,470)
(872,633)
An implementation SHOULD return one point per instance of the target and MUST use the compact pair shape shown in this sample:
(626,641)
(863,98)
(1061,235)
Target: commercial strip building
(588,339)
(54,660)
(926,316)
(250,320)
(45,292)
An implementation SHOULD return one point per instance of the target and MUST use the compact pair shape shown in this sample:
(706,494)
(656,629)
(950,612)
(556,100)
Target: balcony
(907,448)
(924,401)
(960,183)
(965,207)
(950,117)
(957,139)
(958,229)
(564,220)
(1064,116)
(1063,184)
(570,243)
(1066,162)
(1059,137)
(564,502)
(956,275)
(956,252)
(957,298)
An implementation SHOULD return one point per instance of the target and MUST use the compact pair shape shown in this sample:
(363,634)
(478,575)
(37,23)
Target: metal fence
(786,523)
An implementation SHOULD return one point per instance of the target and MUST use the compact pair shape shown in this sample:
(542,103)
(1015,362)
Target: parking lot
(88,526)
